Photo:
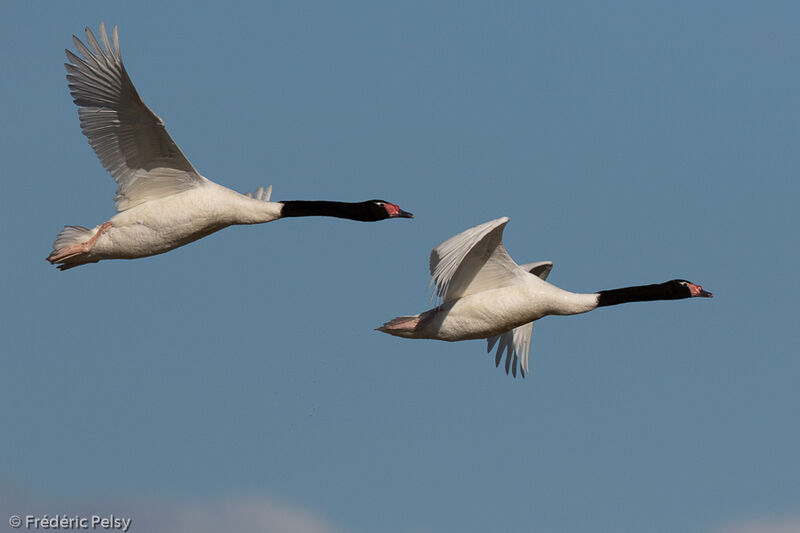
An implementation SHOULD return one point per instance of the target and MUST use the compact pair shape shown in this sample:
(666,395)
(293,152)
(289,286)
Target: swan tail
(72,246)
(402,326)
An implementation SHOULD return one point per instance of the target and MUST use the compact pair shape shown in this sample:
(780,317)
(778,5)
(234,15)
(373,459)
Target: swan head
(686,289)
(381,209)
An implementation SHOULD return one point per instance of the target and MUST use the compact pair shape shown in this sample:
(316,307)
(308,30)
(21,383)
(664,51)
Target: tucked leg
(80,248)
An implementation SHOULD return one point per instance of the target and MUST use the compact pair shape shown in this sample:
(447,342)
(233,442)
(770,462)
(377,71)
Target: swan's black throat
(671,290)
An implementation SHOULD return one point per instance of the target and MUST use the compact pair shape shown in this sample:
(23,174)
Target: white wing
(473,261)
(517,343)
(129,139)
(261,194)
(539,268)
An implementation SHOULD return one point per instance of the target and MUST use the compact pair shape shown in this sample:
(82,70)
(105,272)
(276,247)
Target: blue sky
(237,383)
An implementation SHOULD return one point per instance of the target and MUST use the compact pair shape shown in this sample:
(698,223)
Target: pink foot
(76,249)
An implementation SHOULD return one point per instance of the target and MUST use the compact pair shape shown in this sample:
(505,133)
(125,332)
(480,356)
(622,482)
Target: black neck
(303,208)
(641,293)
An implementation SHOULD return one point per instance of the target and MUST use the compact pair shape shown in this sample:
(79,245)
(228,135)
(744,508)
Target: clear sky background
(237,383)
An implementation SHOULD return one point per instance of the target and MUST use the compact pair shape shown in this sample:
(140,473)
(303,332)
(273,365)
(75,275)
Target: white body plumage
(163,224)
(497,311)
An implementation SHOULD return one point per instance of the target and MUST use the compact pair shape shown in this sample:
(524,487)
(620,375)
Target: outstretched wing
(516,344)
(473,261)
(129,139)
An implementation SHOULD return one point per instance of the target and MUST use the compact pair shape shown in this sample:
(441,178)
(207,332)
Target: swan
(162,201)
(486,295)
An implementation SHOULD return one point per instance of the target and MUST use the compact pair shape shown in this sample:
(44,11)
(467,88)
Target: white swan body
(485,294)
(496,311)
(163,202)
(164,224)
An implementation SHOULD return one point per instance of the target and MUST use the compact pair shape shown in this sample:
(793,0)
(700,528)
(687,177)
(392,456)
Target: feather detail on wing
(261,194)
(473,261)
(128,138)
(539,268)
(517,343)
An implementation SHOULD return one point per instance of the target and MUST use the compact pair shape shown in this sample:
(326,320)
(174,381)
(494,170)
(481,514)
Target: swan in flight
(486,295)
(162,201)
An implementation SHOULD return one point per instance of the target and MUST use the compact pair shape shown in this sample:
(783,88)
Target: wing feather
(473,261)
(128,138)
(539,268)
(515,346)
